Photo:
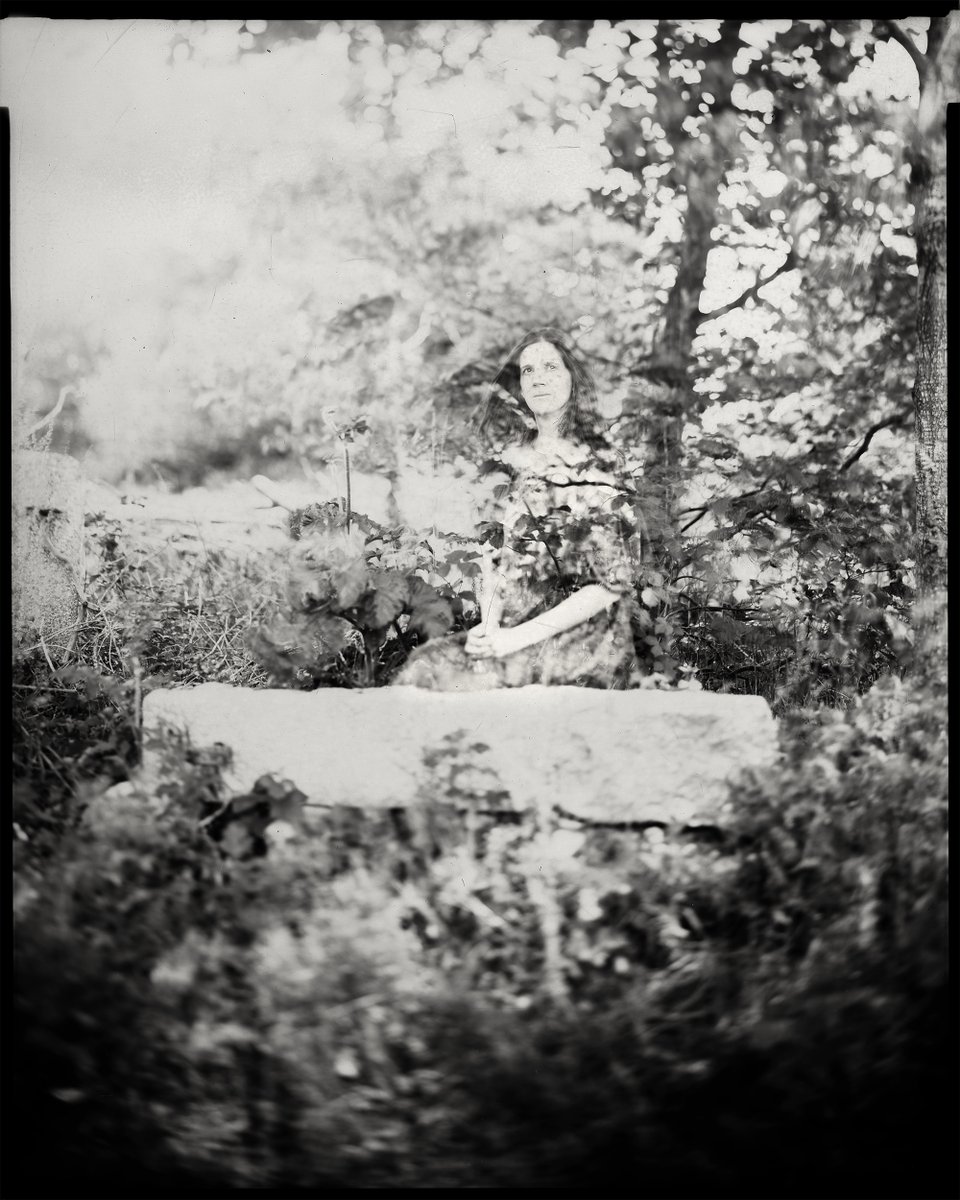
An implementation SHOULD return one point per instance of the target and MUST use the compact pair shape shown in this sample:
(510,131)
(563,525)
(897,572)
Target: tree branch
(701,512)
(51,416)
(787,265)
(887,423)
(702,509)
(899,35)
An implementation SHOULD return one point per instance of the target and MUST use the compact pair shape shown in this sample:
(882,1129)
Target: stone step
(609,756)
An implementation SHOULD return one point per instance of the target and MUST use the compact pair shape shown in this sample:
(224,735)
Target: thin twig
(702,509)
(219,812)
(46,654)
(41,687)
(896,420)
(751,292)
(267,488)
(346,467)
(54,412)
(699,517)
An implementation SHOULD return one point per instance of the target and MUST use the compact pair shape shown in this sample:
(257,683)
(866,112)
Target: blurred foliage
(246,992)
(359,598)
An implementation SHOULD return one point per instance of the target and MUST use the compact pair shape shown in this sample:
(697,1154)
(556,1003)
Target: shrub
(358,600)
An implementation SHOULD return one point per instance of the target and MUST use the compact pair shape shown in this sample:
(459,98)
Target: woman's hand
(495,643)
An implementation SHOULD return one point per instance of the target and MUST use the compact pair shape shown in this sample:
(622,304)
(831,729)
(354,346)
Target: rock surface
(47,496)
(606,756)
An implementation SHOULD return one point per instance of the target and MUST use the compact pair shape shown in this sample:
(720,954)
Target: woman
(560,542)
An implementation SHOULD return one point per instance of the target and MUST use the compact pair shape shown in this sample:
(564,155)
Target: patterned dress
(558,523)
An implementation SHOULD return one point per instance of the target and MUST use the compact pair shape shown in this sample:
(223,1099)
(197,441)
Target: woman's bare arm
(581,606)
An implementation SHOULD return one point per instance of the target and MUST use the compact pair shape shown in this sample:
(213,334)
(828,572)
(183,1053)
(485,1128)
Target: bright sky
(120,155)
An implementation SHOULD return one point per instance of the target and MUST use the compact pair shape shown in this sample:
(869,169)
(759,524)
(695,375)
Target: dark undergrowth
(388,1001)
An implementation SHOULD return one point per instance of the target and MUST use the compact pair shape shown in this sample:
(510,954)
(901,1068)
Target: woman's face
(545,382)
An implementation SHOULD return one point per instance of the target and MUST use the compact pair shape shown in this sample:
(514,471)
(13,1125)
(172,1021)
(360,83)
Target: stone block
(599,755)
(47,501)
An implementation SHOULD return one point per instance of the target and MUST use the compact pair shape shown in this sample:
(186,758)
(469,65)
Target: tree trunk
(699,169)
(670,366)
(928,190)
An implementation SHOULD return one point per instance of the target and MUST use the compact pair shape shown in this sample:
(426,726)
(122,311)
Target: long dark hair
(505,416)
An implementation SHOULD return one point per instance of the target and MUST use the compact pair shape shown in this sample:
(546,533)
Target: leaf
(715,448)
(244,804)
(280,635)
(282,648)
(386,601)
(94,684)
(289,807)
(238,841)
(489,465)
(316,518)
(430,613)
(307,588)
(328,635)
(804,215)
(351,583)
(346,1065)
(270,786)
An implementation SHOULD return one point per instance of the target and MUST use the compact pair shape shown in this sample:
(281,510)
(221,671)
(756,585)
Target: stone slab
(606,756)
